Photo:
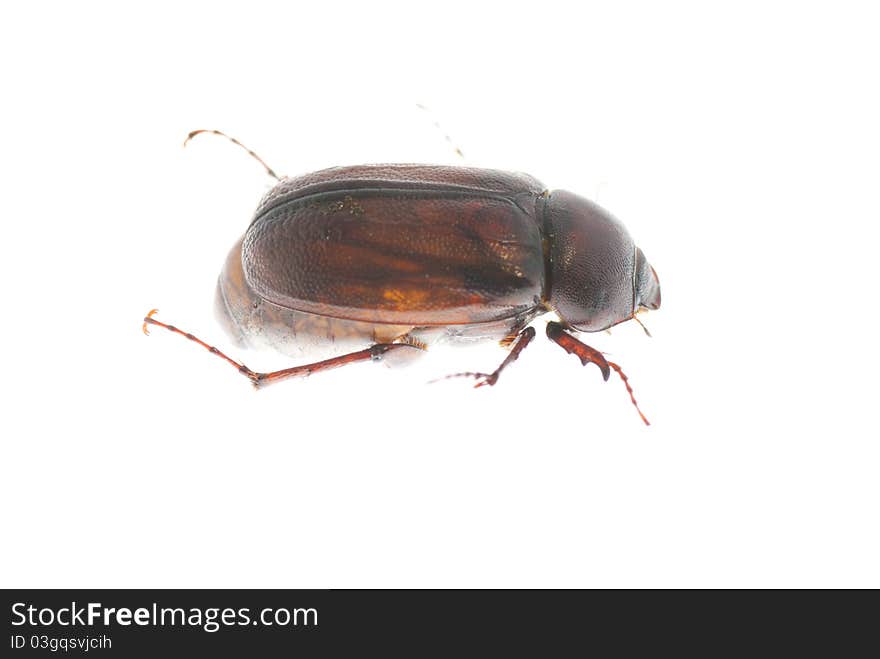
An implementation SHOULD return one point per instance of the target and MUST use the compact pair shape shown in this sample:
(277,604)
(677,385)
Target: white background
(738,143)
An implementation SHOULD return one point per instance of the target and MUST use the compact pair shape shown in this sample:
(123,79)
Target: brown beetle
(375,258)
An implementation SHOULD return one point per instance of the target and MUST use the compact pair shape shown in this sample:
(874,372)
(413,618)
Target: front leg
(582,351)
(556,332)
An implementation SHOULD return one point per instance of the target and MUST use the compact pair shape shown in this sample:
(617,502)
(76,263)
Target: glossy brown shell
(400,244)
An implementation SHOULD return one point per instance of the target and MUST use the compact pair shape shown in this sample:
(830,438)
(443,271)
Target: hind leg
(373,353)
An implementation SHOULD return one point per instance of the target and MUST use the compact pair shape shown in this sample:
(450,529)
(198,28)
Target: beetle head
(599,278)
(646,285)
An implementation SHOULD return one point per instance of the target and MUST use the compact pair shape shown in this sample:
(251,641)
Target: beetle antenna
(629,390)
(253,155)
(437,125)
(636,318)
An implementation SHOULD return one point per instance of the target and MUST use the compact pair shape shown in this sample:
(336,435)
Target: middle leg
(522,340)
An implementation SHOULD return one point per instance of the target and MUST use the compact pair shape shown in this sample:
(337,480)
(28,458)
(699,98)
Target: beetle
(381,258)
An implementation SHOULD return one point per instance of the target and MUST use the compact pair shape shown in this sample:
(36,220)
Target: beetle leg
(253,155)
(374,353)
(525,337)
(586,354)
(629,391)
(582,351)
